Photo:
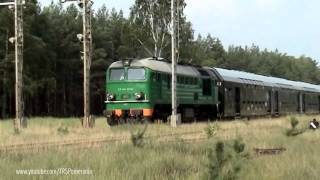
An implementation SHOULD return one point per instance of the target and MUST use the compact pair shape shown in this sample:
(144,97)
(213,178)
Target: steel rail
(92,142)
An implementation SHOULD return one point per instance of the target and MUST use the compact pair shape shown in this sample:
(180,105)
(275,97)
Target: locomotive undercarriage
(161,114)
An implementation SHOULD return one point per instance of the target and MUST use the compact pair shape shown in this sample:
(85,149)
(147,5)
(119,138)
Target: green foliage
(294,122)
(63,130)
(92,121)
(151,20)
(137,136)
(294,131)
(16,131)
(239,146)
(52,72)
(24,122)
(211,129)
(226,160)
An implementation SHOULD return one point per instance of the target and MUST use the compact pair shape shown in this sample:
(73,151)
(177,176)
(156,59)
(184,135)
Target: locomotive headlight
(111,97)
(139,96)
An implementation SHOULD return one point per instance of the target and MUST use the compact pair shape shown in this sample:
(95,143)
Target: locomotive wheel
(145,120)
(121,120)
(112,120)
(132,120)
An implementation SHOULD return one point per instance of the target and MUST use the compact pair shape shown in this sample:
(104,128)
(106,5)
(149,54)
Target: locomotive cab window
(117,74)
(136,74)
(206,87)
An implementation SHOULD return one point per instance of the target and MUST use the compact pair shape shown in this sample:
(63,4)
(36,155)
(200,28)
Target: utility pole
(86,55)
(18,40)
(19,61)
(174,66)
(87,58)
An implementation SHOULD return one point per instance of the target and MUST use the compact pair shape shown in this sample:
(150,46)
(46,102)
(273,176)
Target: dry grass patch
(175,160)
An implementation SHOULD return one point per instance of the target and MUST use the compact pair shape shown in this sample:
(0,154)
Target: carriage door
(303,103)
(298,103)
(276,102)
(319,103)
(269,101)
(237,101)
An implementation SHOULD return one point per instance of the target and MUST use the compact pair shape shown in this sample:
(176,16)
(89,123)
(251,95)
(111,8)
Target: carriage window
(117,74)
(136,74)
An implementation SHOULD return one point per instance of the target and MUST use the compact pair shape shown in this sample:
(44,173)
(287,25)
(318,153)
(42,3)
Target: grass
(156,160)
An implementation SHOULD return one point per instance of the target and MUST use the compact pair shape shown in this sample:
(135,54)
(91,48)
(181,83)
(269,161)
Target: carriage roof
(250,78)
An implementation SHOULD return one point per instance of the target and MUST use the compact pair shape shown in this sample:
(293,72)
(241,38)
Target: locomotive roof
(250,78)
(158,65)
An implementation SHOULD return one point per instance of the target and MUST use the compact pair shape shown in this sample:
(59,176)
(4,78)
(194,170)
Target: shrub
(16,131)
(63,130)
(24,122)
(92,121)
(294,131)
(294,122)
(238,146)
(226,160)
(137,137)
(211,130)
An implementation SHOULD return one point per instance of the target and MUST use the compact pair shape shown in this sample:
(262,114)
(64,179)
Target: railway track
(187,137)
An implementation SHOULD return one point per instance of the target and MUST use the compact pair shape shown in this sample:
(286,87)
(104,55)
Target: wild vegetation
(53,69)
(211,129)
(294,130)
(226,160)
(169,160)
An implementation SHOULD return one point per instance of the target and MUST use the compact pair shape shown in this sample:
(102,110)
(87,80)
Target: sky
(291,26)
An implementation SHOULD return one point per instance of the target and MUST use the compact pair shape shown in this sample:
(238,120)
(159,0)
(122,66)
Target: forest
(53,69)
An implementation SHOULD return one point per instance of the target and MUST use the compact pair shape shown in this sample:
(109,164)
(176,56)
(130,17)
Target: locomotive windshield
(136,74)
(117,74)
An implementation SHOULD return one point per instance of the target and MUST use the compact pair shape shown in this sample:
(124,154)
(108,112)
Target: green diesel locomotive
(140,89)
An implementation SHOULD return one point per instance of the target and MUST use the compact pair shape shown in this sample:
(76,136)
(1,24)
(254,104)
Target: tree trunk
(4,102)
(64,104)
(4,84)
